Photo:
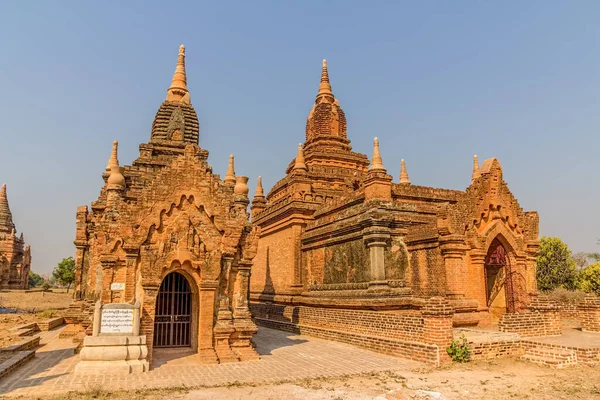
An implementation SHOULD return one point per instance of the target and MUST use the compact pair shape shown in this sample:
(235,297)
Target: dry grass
(32,302)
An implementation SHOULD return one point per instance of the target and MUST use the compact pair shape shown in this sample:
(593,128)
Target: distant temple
(169,233)
(15,257)
(338,237)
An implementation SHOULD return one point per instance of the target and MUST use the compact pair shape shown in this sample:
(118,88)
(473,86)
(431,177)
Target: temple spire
(299,164)
(230,175)
(6,221)
(178,90)
(475,173)
(116,178)
(324,86)
(113,160)
(404,173)
(376,162)
(259,192)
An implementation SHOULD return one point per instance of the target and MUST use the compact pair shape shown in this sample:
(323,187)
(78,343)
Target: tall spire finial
(299,164)
(376,162)
(6,222)
(475,173)
(116,178)
(404,173)
(324,86)
(178,90)
(259,192)
(113,160)
(230,175)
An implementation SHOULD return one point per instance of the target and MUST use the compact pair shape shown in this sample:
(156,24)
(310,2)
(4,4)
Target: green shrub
(589,279)
(459,350)
(46,285)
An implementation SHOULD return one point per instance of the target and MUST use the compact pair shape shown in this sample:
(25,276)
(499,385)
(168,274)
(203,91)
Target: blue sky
(436,81)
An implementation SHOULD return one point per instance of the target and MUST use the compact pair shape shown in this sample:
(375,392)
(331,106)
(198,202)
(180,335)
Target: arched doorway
(173,316)
(498,280)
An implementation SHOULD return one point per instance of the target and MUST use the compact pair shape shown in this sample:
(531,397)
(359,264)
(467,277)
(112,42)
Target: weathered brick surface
(543,319)
(589,313)
(168,213)
(15,256)
(338,233)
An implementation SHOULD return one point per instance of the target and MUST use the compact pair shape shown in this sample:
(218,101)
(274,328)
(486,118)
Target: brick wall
(495,349)
(589,313)
(420,336)
(542,319)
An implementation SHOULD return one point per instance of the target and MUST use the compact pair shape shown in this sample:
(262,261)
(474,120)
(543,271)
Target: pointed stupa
(475,173)
(6,221)
(230,175)
(404,173)
(376,162)
(116,178)
(325,85)
(178,90)
(299,164)
(113,160)
(259,192)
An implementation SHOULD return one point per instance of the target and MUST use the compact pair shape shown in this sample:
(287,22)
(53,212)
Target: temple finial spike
(259,192)
(113,160)
(475,173)
(376,162)
(404,173)
(230,175)
(324,86)
(178,90)
(300,164)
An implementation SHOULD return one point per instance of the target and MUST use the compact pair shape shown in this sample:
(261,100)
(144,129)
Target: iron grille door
(173,315)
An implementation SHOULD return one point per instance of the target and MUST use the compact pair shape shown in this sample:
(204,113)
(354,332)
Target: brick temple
(349,253)
(169,233)
(15,256)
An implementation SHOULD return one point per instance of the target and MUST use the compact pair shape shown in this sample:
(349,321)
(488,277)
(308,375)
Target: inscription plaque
(117,286)
(116,320)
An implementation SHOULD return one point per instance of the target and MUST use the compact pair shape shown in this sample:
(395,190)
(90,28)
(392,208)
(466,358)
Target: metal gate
(172,321)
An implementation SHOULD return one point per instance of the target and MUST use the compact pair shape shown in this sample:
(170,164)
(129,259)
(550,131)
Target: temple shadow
(267,340)
(26,375)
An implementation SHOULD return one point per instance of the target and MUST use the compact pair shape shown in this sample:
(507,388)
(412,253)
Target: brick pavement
(284,356)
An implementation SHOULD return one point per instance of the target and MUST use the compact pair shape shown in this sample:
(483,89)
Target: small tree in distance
(64,272)
(35,280)
(555,265)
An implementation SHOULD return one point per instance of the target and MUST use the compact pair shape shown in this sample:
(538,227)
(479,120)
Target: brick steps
(552,357)
(19,358)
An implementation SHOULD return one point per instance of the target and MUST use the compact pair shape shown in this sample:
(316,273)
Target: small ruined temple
(15,257)
(168,233)
(346,251)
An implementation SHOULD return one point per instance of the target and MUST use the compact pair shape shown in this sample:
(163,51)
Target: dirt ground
(8,321)
(498,379)
(35,301)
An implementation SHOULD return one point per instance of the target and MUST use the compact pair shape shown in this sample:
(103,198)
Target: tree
(64,272)
(580,259)
(35,280)
(589,279)
(555,266)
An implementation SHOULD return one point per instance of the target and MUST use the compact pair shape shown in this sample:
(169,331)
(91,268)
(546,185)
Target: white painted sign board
(116,320)
(117,286)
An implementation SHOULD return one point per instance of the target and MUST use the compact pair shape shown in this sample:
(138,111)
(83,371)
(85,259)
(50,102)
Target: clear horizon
(435,82)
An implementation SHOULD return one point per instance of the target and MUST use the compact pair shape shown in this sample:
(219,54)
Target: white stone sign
(117,286)
(116,320)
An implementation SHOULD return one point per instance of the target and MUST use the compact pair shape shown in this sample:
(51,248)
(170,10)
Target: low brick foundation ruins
(589,313)
(416,335)
(541,319)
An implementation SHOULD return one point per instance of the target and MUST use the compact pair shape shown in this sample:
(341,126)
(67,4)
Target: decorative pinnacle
(116,178)
(403,173)
(324,86)
(259,192)
(6,222)
(178,90)
(230,175)
(300,159)
(475,174)
(376,162)
(113,160)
